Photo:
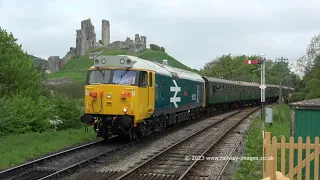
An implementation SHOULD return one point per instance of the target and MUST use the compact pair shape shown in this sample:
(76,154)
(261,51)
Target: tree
(309,65)
(313,49)
(304,65)
(17,73)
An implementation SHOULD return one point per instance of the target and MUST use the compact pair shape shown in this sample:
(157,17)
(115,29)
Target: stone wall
(54,81)
(138,45)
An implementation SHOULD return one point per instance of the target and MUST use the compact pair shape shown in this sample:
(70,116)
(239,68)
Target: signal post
(260,61)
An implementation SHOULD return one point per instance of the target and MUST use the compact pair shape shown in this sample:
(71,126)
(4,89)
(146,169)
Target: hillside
(39,62)
(76,69)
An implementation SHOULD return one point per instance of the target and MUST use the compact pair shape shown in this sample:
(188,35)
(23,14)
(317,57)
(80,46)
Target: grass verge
(253,147)
(16,149)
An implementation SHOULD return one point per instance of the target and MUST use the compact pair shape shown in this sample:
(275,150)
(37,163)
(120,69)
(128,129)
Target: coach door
(151,82)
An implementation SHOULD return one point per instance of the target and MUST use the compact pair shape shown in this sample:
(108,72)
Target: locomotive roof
(103,61)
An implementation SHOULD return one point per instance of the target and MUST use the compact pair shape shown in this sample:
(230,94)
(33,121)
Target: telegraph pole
(281,61)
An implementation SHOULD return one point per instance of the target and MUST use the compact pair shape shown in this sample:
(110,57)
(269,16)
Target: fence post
(299,175)
(263,155)
(291,157)
(269,167)
(316,158)
(275,156)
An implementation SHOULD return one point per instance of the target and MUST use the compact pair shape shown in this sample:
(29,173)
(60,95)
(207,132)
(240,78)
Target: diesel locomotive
(131,97)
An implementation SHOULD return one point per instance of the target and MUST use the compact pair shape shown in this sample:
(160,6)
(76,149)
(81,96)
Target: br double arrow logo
(175,89)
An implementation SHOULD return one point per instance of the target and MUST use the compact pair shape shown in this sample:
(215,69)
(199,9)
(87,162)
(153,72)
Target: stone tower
(105,32)
(86,38)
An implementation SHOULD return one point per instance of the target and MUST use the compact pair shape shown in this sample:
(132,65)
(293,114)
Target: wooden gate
(271,147)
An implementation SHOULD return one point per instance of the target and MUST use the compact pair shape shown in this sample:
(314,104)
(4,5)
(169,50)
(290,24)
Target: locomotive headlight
(109,96)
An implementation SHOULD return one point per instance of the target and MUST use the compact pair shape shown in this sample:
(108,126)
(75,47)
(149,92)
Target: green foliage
(68,110)
(18,75)
(158,56)
(298,96)
(163,49)
(155,47)
(309,66)
(20,114)
(23,107)
(97,49)
(234,68)
(100,42)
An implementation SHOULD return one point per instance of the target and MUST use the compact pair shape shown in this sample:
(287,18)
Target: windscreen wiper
(124,73)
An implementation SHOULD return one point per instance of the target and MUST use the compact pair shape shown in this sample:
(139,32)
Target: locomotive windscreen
(111,77)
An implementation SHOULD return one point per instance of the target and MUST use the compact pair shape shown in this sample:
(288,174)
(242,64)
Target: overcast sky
(192,31)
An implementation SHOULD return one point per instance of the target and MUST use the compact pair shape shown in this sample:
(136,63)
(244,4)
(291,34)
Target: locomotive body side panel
(174,94)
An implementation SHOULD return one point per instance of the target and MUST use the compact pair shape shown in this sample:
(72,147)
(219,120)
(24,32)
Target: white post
(263,97)
(264,79)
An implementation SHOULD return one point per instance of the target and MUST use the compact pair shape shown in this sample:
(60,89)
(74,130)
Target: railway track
(53,163)
(181,160)
(62,163)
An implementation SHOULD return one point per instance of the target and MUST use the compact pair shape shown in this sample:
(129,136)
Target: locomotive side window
(150,79)
(143,79)
(162,83)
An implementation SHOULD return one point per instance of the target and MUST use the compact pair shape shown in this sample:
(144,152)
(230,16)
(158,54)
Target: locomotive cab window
(124,77)
(143,79)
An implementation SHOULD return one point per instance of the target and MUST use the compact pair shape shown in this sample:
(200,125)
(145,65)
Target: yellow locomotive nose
(110,99)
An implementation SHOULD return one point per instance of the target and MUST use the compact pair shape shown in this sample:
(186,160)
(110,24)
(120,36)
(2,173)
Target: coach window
(143,79)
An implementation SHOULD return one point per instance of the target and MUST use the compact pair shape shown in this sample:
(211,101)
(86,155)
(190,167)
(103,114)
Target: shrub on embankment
(25,104)
(20,114)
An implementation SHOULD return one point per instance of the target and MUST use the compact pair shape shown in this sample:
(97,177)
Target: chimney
(165,62)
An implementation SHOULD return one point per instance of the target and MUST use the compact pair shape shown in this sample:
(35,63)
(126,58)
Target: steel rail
(215,142)
(132,171)
(20,168)
(88,161)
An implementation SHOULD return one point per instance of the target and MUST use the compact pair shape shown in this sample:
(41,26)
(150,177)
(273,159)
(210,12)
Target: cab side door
(151,91)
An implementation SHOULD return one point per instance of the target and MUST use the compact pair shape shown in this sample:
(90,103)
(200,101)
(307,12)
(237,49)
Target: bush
(298,96)
(21,114)
(163,49)
(68,110)
(154,47)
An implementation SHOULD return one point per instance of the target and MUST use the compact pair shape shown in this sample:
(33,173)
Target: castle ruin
(86,41)
(86,38)
(105,33)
